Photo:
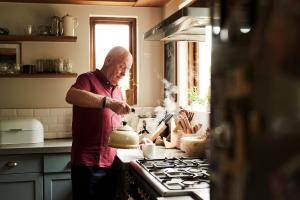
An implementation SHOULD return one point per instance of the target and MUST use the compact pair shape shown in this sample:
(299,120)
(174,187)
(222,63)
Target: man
(97,106)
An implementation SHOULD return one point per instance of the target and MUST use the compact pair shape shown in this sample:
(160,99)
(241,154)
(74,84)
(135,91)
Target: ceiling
(135,3)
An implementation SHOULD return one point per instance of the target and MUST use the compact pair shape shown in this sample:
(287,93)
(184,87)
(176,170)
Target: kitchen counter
(48,146)
(127,155)
(64,146)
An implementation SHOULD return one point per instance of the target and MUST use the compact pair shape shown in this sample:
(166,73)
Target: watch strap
(104,102)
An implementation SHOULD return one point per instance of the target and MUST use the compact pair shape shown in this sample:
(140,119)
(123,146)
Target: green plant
(203,100)
(193,94)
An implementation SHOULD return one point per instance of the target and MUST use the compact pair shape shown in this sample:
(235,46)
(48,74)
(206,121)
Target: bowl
(193,146)
(3,68)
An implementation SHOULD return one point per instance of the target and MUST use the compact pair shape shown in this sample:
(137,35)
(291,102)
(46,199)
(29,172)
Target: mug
(148,150)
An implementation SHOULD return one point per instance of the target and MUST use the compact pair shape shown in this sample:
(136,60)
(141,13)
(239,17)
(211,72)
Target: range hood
(187,24)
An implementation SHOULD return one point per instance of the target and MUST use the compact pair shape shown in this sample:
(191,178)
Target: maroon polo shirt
(92,126)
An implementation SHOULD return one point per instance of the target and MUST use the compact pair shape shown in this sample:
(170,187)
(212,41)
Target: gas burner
(163,164)
(194,170)
(179,184)
(171,163)
(189,182)
(178,173)
(160,175)
(174,184)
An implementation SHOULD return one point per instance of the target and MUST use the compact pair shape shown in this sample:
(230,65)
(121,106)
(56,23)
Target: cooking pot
(123,137)
(69,25)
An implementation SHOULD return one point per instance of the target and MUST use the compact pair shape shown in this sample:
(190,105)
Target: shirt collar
(103,79)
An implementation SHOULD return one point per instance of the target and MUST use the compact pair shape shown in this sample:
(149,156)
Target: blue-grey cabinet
(21,177)
(21,186)
(35,177)
(57,186)
(57,177)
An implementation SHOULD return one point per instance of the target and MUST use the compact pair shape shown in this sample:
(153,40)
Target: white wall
(50,92)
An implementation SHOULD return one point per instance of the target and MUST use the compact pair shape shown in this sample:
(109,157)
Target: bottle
(68,65)
(60,65)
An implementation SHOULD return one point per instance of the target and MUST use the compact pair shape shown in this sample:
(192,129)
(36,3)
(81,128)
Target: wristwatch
(104,102)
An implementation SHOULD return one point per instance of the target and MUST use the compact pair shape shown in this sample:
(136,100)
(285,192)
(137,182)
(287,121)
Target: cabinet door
(57,186)
(27,186)
(58,162)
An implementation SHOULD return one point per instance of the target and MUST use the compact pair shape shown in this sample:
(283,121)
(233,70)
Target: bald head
(117,62)
(118,51)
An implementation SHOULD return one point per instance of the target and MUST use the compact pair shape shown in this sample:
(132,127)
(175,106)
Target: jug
(69,25)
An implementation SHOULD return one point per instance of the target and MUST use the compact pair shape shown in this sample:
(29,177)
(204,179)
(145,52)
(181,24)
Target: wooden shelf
(40,38)
(41,75)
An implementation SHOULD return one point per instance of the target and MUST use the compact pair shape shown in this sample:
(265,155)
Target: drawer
(57,163)
(10,164)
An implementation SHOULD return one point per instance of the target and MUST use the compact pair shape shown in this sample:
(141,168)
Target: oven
(152,179)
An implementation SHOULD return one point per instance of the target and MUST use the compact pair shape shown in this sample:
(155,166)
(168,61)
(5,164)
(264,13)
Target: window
(194,63)
(107,32)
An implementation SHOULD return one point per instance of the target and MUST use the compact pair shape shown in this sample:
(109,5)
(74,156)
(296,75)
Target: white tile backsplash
(41,112)
(48,120)
(57,122)
(68,111)
(24,112)
(63,135)
(56,127)
(8,113)
(51,135)
(57,111)
(64,119)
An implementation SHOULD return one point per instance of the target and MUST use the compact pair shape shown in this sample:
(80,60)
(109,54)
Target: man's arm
(87,99)
(83,98)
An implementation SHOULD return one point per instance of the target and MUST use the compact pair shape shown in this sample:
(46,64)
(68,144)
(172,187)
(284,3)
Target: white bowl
(193,146)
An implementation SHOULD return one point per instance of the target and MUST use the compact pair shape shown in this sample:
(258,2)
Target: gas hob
(175,176)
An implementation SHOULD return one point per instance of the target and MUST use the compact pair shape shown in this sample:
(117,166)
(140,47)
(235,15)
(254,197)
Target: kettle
(69,25)
(124,137)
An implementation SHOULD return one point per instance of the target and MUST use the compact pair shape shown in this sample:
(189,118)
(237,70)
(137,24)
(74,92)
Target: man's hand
(119,107)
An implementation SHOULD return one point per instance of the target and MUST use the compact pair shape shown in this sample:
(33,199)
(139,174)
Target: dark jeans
(93,183)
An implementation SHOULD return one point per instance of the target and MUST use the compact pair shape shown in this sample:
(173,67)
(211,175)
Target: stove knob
(222,136)
(142,194)
(147,197)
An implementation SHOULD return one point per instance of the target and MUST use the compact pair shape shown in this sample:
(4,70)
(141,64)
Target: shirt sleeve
(82,83)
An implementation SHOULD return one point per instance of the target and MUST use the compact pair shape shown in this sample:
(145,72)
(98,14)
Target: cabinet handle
(68,166)
(12,164)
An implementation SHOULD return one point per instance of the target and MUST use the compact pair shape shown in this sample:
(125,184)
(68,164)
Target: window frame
(131,22)
(193,67)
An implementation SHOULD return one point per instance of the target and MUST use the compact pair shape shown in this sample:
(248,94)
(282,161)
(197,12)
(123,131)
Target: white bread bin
(19,131)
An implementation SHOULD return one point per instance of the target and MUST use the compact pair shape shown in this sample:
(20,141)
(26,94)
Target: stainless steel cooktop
(175,176)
